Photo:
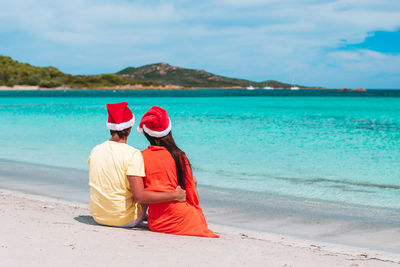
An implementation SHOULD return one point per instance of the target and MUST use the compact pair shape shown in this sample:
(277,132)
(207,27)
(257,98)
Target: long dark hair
(177,154)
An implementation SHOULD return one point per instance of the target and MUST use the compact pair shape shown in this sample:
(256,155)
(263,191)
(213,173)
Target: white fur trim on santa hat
(121,126)
(155,133)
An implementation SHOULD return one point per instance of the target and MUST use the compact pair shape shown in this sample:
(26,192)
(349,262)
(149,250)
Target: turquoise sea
(261,154)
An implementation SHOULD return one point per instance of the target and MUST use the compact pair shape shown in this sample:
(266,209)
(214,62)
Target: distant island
(192,78)
(153,76)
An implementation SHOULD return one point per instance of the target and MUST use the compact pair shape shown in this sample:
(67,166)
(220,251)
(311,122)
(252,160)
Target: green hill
(13,73)
(167,74)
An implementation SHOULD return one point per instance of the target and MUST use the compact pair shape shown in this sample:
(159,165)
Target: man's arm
(149,197)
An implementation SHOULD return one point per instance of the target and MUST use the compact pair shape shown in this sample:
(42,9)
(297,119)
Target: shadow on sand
(86,219)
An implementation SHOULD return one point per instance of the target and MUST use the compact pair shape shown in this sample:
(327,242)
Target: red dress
(180,218)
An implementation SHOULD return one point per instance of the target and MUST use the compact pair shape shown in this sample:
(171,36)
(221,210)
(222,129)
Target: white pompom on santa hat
(155,123)
(120,117)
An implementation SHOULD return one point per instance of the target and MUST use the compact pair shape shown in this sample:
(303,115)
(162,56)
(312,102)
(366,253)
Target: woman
(166,167)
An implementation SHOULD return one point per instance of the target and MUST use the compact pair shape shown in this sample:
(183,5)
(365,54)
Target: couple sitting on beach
(123,180)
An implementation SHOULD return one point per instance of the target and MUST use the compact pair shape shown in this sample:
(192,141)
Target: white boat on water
(268,88)
(292,86)
(250,88)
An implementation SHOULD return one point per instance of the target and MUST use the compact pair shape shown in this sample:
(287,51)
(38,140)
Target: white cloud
(256,39)
(366,60)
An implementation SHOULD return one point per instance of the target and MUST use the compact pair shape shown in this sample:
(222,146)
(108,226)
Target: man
(116,172)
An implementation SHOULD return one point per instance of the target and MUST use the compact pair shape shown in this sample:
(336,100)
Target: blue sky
(338,43)
(380,41)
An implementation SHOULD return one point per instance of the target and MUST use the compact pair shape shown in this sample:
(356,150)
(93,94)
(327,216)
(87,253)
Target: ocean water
(339,148)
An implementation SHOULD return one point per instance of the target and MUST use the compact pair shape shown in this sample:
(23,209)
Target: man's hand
(180,194)
(149,197)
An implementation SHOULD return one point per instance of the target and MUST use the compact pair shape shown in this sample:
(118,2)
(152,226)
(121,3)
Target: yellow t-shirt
(111,200)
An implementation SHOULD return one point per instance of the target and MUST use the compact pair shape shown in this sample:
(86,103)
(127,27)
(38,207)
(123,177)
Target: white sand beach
(42,231)
(19,88)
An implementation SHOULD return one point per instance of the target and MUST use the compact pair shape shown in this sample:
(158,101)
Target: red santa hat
(120,117)
(155,123)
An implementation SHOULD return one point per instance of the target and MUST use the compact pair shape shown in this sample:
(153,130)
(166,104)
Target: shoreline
(138,87)
(335,223)
(46,229)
